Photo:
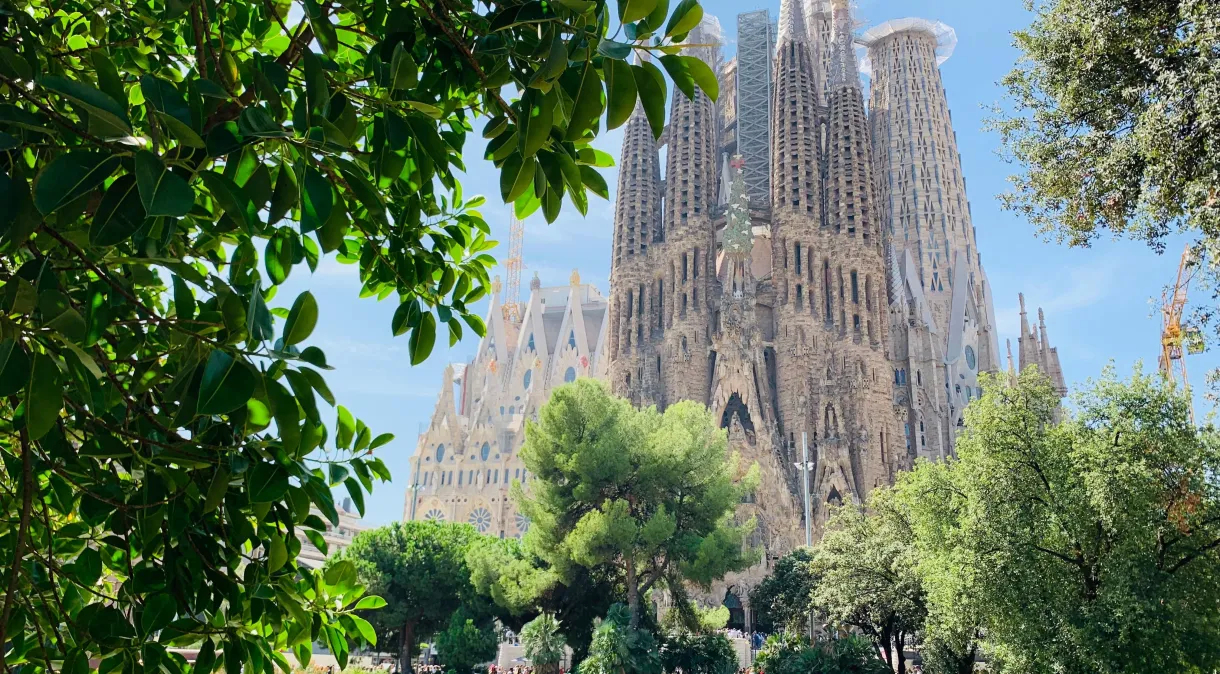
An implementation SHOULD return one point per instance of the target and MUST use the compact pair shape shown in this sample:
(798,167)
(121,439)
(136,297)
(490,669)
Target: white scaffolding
(945,36)
(755,48)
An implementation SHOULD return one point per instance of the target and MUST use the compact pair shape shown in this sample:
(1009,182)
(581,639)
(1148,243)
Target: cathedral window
(919,377)
(440,453)
(695,266)
(529,374)
(459,478)
(797,249)
(485,452)
(684,267)
(855,287)
(572,339)
(800,297)
(570,375)
(683,312)
(530,344)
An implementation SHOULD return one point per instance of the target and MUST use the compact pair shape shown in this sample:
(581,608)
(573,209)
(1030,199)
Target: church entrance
(737,614)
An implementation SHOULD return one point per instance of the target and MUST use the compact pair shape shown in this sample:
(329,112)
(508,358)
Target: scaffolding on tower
(513,265)
(1178,340)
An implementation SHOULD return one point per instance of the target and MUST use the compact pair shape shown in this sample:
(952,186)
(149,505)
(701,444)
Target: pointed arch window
(570,375)
(529,375)
(530,344)
(572,339)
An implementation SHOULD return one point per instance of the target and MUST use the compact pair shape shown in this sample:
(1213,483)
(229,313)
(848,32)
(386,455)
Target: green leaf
(71,175)
(285,196)
(423,337)
(159,611)
(679,72)
(620,92)
(614,50)
(317,200)
(353,489)
(383,439)
(165,98)
(535,120)
(301,319)
(345,428)
(184,299)
(406,316)
(318,384)
(278,255)
(231,198)
(216,490)
(226,384)
(369,603)
(366,630)
(205,660)
(587,106)
(44,397)
(594,181)
(267,482)
(108,77)
(314,356)
(259,325)
(107,117)
(634,10)
(162,191)
(650,84)
(14,368)
(686,16)
(287,416)
(277,554)
(703,76)
(404,73)
(322,28)
(119,215)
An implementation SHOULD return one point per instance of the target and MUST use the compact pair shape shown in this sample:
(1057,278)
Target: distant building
(468,457)
(336,537)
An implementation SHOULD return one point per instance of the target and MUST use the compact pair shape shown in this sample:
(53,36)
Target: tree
(419,568)
(1088,544)
(867,580)
(648,494)
(1114,121)
(524,587)
(544,643)
(783,599)
(465,644)
(164,167)
(1114,124)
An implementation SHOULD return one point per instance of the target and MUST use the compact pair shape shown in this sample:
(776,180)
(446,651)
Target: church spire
(637,203)
(843,70)
(693,143)
(795,177)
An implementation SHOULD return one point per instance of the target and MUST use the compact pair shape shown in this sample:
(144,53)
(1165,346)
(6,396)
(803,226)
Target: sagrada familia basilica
(805,265)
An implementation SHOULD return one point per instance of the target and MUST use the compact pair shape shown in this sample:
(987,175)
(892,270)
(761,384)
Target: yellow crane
(1175,336)
(513,265)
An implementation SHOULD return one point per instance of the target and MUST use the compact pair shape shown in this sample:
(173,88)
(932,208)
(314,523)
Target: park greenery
(166,430)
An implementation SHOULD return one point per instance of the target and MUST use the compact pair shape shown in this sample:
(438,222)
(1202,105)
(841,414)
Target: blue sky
(1098,301)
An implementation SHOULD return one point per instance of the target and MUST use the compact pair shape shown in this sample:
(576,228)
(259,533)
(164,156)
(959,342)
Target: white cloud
(1078,287)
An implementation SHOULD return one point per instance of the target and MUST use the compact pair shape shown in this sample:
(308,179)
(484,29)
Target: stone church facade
(848,309)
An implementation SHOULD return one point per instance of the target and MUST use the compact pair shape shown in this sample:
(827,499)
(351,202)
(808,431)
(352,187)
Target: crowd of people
(756,639)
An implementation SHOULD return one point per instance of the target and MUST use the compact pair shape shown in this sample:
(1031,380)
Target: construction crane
(1175,336)
(513,265)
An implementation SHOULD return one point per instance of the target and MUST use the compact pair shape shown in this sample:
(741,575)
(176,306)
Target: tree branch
(23,530)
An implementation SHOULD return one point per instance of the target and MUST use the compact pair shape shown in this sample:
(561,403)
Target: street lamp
(805,466)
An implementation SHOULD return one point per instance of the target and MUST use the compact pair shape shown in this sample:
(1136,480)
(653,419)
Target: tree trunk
(902,658)
(633,593)
(406,641)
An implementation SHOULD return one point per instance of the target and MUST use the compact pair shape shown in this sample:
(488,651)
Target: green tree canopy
(649,494)
(783,599)
(466,643)
(1115,122)
(1090,544)
(866,570)
(790,653)
(165,165)
(419,568)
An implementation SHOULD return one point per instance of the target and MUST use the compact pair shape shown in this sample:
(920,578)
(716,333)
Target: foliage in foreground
(707,653)
(620,648)
(164,168)
(465,644)
(1086,545)
(649,495)
(790,653)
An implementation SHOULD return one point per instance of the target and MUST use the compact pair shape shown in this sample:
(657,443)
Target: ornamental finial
(575,277)
(495,285)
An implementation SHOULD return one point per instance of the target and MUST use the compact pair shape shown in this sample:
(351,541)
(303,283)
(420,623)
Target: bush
(618,648)
(790,654)
(699,654)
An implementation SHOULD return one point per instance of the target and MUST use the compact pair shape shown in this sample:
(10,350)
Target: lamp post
(805,466)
